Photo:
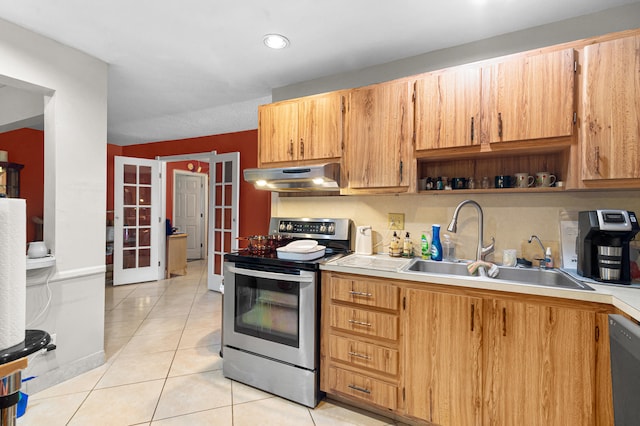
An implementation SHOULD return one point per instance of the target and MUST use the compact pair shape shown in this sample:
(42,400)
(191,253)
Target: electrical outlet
(396,221)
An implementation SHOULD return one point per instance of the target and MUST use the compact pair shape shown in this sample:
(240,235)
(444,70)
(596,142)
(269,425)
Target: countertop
(627,299)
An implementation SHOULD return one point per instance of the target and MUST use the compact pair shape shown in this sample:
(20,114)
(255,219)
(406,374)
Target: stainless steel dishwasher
(624,338)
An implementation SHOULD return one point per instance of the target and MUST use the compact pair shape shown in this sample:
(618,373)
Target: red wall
(255,205)
(26,146)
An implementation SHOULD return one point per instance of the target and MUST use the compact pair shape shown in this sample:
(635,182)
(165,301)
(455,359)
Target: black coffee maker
(603,244)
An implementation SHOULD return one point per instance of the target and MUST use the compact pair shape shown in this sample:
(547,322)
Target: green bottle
(426,254)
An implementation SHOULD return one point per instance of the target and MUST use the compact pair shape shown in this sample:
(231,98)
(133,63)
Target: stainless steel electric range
(271,311)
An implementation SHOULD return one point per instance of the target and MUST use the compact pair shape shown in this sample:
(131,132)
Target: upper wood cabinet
(448,108)
(379,136)
(609,138)
(529,97)
(443,357)
(539,364)
(303,129)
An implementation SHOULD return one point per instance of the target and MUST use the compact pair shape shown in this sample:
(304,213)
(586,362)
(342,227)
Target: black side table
(14,360)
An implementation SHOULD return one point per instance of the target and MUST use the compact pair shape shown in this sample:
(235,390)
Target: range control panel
(337,229)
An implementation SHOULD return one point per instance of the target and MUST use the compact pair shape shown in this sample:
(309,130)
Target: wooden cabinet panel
(442,357)
(364,388)
(448,108)
(278,132)
(610,139)
(379,135)
(364,355)
(530,97)
(364,322)
(366,292)
(308,128)
(539,364)
(320,127)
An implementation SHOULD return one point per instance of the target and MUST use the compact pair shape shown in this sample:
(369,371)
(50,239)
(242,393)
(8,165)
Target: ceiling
(191,68)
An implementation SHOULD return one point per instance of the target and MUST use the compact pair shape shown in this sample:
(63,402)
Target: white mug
(545,179)
(523,180)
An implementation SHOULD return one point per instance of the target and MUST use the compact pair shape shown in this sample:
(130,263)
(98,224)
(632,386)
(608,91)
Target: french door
(224,194)
(137,221)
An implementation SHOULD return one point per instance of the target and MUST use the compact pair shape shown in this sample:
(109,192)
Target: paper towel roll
(13,271)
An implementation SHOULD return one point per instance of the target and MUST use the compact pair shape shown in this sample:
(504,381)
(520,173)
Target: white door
(189,210)
(137,224)
(224,194)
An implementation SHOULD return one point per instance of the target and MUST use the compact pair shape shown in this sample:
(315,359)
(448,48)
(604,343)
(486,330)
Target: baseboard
(62,373)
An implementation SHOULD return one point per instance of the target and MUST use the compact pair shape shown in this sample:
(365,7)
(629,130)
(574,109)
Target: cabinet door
(278,132)
(530,97)
(379,133)
(611,111)
(448,109)
(539,364)
(320,127)
(443,357)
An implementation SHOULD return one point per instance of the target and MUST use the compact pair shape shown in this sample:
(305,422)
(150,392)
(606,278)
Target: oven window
(268,309)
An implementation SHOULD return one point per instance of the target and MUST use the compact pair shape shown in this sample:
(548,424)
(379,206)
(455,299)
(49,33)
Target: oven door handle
(304,277)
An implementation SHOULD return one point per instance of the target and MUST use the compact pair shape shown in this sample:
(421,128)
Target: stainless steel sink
(531,276)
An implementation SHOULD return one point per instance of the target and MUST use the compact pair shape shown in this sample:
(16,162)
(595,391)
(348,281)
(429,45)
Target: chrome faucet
(482,251)
(544,251)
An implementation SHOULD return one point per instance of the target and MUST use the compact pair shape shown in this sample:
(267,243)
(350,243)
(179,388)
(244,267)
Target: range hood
(323,177)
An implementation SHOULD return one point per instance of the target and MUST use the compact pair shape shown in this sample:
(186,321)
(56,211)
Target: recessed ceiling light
(275,41)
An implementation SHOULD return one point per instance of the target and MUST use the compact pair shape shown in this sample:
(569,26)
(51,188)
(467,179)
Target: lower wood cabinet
(443,357)
(539,364)
(457,356)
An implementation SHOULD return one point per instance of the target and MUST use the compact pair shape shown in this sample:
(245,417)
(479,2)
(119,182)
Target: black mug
(503,181)
(458,183)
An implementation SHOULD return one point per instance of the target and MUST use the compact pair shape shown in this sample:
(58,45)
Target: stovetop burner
(334,234)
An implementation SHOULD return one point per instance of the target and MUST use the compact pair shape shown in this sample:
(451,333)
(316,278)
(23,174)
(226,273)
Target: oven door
(271,311)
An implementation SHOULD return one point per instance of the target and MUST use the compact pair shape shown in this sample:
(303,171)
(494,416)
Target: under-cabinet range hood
(323,177)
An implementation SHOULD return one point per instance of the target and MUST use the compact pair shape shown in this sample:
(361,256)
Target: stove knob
(282,226)
(331,229)
(289,227)
(323,229)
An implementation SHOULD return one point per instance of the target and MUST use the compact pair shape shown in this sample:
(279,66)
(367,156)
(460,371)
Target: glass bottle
(485,182)
(436,245)
(471,183)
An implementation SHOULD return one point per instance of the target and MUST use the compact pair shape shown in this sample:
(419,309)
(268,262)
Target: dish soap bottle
(436,245)
(548,259)
(407,250)
(394,246)
(424,244)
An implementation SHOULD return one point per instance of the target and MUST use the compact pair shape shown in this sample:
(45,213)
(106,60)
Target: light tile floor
(162,343)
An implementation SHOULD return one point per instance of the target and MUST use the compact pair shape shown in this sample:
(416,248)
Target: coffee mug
(523,180)
(545,179)
(502,181)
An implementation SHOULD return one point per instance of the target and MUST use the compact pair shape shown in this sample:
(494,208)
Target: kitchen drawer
(364,355)
(365,322)
(364,388)
(366,292)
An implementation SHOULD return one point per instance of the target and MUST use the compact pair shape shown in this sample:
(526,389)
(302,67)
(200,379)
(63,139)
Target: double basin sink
(532,276)
(512,275)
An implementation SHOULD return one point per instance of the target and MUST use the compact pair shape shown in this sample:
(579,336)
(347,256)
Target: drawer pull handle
(367,324)
(359,355)
(359,389)
(360,293)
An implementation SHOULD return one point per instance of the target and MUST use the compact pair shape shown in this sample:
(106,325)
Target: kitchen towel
(13,271)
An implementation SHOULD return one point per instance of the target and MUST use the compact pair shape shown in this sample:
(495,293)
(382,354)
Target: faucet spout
(481,251)
(535,237)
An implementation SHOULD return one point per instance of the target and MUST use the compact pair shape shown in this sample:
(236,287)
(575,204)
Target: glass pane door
(136,203)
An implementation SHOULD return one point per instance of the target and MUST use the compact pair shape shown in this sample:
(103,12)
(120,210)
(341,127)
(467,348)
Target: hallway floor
(162,343)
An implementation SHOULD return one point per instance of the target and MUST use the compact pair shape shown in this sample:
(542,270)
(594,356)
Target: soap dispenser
(407,247)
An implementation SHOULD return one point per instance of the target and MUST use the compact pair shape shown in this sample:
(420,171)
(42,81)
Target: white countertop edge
(625,299)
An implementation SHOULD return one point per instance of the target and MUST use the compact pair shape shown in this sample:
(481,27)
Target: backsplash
(510,218)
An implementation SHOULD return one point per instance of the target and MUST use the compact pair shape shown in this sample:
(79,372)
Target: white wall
(17,105)
(74,86)
(607,21)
